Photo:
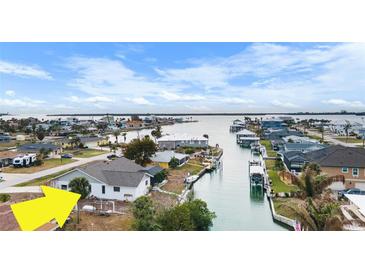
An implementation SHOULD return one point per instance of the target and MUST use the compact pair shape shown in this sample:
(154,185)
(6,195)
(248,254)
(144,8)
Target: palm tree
(116,134)
(321,130)
(347,129)
(157,132)
(81,186)
(124,134)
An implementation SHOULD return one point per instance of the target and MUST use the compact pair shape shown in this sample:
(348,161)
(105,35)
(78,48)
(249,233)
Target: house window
(116,189)
(103,189)
(146,182)
(345,170)
(355,172)
(64,187)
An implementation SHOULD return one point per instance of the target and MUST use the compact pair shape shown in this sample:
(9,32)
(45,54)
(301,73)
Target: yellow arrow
(57,204)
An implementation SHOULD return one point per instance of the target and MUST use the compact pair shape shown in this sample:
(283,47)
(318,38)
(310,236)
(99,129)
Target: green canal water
(227,190)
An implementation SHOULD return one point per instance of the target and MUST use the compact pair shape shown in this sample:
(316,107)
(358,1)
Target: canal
(227,190)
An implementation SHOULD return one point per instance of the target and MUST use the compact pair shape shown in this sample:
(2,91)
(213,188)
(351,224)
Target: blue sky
(44,78)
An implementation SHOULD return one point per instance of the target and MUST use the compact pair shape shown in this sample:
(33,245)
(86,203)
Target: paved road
(332,140)
(28,189)
(12,179)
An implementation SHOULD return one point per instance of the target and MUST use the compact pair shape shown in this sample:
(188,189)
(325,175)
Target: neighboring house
(246,137)
(277,134)
(174,141)
(294,160)
(274,123)
(87,141)
(163,158)
(340,160)
(302,147)
(37,147)
(153,171)
(5,138)
(299,139)
(6,158)
(120,179)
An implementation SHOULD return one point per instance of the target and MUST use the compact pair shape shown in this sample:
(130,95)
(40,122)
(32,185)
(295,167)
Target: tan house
(340,160)
(6,158)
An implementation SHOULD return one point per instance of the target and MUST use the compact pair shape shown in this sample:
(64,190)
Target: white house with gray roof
(173,141)
(120,179)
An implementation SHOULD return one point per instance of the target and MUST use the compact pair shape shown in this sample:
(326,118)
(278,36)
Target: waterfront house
(237,125)
(154,171)
(294,160)
(302,147)
(53,150)
(299,139)
(120,179)
(246,137)
(174,141)
(276,134)
(273,123)
(163,158)
(340,160)
(6,158)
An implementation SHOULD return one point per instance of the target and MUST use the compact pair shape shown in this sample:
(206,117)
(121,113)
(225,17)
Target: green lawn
(278,185)
(42,180)
(193,169)
(47,164)
(85,153)
(349,140)
(270,164)
(269,150)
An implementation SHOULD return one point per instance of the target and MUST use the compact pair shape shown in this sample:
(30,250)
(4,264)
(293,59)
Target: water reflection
(257,193)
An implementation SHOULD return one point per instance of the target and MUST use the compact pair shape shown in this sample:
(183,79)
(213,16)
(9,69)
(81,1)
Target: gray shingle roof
(37,147)
(338,156)
(119,172)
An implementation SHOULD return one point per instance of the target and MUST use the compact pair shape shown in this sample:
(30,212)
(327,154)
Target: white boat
(257,173)
(191,179)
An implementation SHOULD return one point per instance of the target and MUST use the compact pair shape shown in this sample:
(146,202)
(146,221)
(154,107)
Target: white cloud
(345,103)
(10,93)
(278,103)
(139,101)
(171,96)
(24,102)
(235,100)
(102,76)
(99,99)
(23,70)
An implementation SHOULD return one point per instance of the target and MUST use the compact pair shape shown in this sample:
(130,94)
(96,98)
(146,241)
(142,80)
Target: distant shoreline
(212,114)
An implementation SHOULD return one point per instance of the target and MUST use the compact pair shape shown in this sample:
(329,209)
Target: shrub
(174,163)
(4,198)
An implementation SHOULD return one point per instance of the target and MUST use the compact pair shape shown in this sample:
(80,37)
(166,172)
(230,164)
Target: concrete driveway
(12,179)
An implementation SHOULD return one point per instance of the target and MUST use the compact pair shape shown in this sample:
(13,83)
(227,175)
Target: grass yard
(289,207)
(269,150)
(349,140)
(94,222)
(270,164)
(192,168)
(278,185)
(85,153)
(42,180)
(47,164)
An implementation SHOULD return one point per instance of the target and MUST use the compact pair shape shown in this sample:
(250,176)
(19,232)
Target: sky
(49,78)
